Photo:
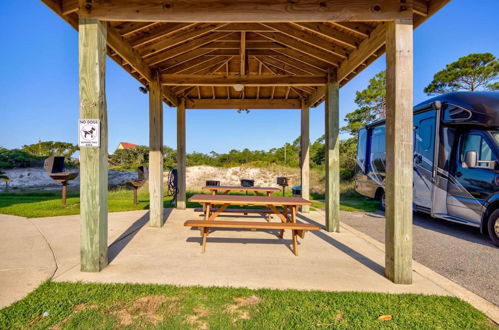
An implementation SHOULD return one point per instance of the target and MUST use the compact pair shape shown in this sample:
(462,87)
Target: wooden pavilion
(247,54)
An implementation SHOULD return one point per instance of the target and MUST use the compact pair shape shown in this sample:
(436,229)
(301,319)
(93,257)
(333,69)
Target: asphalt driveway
(455,251)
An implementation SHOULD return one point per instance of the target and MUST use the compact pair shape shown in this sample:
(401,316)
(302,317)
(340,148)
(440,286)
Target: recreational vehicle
(456,153)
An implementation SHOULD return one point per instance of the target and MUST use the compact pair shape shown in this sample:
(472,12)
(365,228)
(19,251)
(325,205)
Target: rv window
(495,134)
(425,133)
(475,142)
(361,150)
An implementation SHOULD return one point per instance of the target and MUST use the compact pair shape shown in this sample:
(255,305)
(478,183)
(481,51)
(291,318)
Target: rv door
(425,131)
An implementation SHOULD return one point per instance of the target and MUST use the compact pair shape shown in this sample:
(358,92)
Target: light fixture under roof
(238,87)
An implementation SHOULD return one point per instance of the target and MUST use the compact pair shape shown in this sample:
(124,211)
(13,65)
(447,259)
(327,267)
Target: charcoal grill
(247,183)
(55,168)
(296,190)
(142,176)
(283,182)
(212,183)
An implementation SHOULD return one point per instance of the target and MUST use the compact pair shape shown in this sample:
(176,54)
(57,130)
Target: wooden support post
(399,167)
(332,113)
(305,155)
(181,197)
(155,153)
(93,160)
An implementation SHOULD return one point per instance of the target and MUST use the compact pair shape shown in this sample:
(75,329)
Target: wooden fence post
(181,195)
(93,160)
(399,153)
(332,112)
(156,210)
(305,155)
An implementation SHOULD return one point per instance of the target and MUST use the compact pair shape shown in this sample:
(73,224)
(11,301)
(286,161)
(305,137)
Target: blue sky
(39,83)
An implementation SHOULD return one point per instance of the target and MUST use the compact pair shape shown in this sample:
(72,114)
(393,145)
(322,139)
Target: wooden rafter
(263,80)
(195,64)
(306,49)
(155,61)
(330,33)
(161,31)
(177,39)
(242,53)
(309,38)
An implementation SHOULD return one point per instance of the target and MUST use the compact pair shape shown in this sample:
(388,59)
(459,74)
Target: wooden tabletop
(241,188)
(249,200)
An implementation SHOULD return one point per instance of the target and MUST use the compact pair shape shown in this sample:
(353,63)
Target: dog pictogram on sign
(89,132)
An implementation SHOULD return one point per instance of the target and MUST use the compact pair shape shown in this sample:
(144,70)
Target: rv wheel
(493,227)
(382,203)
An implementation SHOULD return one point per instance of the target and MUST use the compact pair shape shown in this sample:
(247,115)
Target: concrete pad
(237,258)
(26,259)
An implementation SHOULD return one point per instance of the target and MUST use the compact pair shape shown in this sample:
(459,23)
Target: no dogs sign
(89,133)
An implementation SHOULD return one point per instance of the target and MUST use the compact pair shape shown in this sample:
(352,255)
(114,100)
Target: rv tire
(493,227)
(381,198)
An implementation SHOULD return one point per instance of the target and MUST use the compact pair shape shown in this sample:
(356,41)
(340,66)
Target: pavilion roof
(243,64)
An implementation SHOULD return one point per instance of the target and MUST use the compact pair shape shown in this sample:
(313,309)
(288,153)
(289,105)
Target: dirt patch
(82,307)
(148,308)
(237,311)
(194,320)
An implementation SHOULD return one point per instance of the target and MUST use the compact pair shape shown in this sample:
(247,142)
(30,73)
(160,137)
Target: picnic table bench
(285,208)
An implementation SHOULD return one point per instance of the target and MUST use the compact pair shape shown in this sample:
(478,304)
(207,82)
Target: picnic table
(285,208)
(227,189)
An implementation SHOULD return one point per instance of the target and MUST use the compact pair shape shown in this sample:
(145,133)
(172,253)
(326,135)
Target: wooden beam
(399,152)
(243,104)
(69,6)
(304,48)
(248,27)
(177,39)
(283,66)
(157,59)
(284,61)
(367,48)
(263,80)
(93,160)
(162,31)
(181,156)
(156,210)
(126,29)
(305,155)
(245,10)
(332,119)
(330,33)
(219,44)
(242,54)
(360,29)
(186,57)
(123,49)
(420,7)
(195,64)
(298,56)
(316,96)
(309,38)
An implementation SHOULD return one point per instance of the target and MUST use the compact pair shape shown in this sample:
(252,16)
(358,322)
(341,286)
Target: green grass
(106,306)
(48,204)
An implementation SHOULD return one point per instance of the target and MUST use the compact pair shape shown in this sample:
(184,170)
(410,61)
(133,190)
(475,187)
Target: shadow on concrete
(344,248)
(126,237)
(280,241)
